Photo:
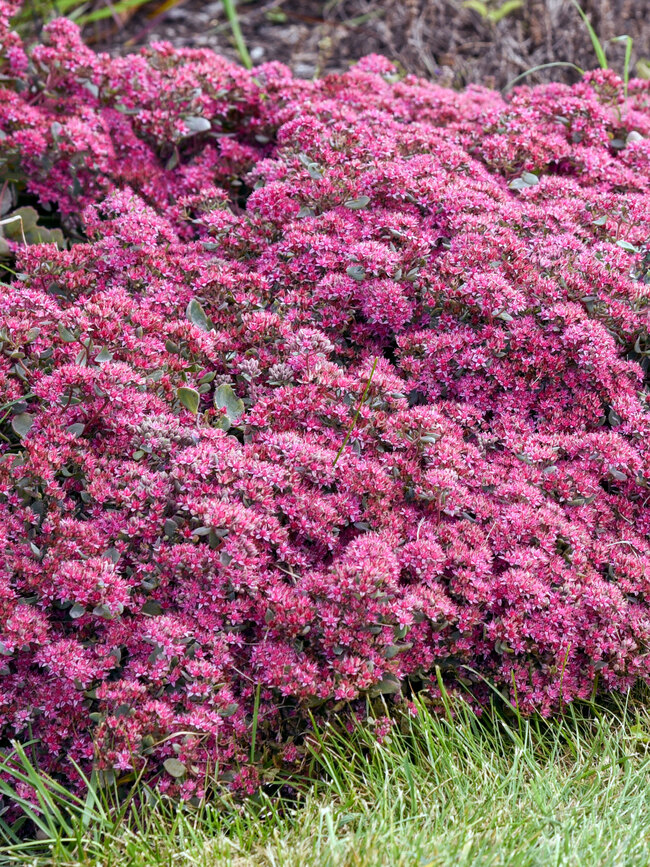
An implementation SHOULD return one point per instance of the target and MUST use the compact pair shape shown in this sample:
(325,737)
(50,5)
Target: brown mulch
(439,39)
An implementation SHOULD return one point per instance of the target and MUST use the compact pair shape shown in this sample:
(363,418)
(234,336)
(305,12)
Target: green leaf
(112,554)
(225,398)
(196,314)
(357,204)
(392,650)
(509,6)
(21,220)
(103,356)
(228,710)
(6,199)
(77,611)
(388,685)
(198,124)
(189,397)
(22,423)
(22,226)
(65,335)
(174,767)
(357,272)
(92,88)
(477,6)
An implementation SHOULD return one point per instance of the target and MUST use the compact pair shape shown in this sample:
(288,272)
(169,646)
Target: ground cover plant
(334,393)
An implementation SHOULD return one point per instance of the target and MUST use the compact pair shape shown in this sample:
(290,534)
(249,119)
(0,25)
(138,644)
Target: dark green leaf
(357,272)
(225,398)
(189,397)
(65,335)
(229,710)
(22,423)
(388,685)
(196,314)
(170,528)
(357,204)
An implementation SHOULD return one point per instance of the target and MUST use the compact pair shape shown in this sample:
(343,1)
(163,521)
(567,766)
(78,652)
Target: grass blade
(111,10)
(233,20)
(595,41)
(540,67)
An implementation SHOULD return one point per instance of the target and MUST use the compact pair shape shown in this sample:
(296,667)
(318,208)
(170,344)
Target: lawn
(436,790)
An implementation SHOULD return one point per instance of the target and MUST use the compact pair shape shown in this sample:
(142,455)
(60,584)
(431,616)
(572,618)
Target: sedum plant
(339,395)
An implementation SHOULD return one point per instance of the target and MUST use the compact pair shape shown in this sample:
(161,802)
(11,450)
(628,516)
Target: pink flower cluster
(251,255)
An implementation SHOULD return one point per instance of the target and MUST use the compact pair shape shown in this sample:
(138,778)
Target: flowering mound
(337,383)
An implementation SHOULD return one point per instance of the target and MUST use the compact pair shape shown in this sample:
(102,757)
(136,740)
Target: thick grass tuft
(500,790)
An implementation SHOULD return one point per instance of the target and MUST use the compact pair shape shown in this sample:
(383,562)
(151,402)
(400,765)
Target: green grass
(440,791)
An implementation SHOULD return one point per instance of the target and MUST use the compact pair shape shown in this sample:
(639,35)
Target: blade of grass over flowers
(109,11)
(534,69)
(62,7)
(595,41)
(356,415)
(240,44)
(256,713)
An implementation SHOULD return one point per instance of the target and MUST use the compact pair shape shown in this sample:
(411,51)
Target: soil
(442,40)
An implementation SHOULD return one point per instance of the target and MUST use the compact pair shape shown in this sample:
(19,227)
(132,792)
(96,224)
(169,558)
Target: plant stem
(356,415)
